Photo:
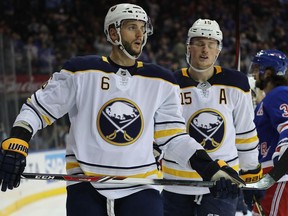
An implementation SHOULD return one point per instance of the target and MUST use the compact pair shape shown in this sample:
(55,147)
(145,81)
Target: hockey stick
(137,181)
(116,180)
(266,182)
(279,170)
(258,206)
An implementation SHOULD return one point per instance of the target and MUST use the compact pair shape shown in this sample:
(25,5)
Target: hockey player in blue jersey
(117,107)
(269,68)
(218,110)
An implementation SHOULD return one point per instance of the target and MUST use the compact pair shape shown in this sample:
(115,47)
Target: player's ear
(188,48)
(113,33)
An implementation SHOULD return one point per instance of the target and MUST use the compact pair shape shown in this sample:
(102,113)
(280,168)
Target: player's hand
(227,180)
(13,154)
(225,188)
(216,171)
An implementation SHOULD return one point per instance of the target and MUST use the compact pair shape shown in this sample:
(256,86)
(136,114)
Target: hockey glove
(13,154)
(251,176)
(217,170)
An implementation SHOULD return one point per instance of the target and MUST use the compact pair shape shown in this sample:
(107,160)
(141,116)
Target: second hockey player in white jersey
(218,110)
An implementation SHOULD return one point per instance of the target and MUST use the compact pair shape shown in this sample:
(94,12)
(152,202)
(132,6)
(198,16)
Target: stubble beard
(129,49)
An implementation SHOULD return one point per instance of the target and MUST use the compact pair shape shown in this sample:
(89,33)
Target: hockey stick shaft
(267,181)
(277,172)
(130,181)
(117,180)
(258,206)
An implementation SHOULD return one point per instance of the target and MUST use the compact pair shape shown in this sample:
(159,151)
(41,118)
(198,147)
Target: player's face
(203,52)
(255,72)
(260,77)
(132,34)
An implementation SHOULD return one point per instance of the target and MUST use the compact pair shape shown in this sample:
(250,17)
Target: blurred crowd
(46,33)
(52,31)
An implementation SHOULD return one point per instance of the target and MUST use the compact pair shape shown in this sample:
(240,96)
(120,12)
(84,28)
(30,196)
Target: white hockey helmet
(117,13)
(205,28)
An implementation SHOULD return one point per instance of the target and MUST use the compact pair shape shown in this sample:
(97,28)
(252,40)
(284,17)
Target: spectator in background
(166,16)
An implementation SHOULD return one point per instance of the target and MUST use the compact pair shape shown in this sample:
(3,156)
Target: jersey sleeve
(246,133)
(170,131)
(50,102)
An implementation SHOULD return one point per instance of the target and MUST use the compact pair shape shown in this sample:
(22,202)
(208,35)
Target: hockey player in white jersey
(117,107)
(218,110)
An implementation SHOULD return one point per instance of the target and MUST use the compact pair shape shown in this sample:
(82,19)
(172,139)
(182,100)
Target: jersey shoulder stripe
(104,64)
(229,77)
(156,71)
(222,76)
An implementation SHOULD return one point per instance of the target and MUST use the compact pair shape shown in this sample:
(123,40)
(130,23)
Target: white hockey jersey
(219,115)
(116,113)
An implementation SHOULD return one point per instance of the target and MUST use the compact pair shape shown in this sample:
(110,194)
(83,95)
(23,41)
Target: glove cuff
(16,145)
(204,165)
(21,133)
(199,161)
(251,176)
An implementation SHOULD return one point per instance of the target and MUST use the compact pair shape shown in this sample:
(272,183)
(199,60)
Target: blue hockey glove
(224,188)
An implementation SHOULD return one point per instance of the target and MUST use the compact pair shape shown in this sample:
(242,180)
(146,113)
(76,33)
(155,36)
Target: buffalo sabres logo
(120,122)
(207,126)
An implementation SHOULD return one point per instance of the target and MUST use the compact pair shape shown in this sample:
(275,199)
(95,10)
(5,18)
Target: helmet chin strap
(122,48)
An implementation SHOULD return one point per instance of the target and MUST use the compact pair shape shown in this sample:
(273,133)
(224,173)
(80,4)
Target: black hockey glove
(13,154)
(227,179)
